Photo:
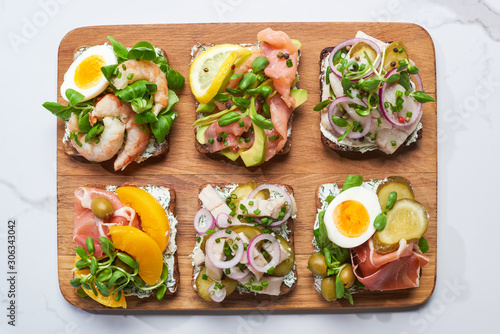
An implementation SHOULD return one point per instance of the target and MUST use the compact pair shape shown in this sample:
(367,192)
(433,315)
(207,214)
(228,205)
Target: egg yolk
(88,72)
(351,218)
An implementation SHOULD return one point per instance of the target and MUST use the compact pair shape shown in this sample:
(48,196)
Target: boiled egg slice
(349,217)
(85,76)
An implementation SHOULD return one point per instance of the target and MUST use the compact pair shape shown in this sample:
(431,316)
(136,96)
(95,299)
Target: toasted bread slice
(352,152)
(154,149)
(172,209)
(284,289)
(196,51)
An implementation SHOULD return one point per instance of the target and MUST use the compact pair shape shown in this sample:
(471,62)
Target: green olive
(346,275)
(102,208)
(328,288)
(317,264)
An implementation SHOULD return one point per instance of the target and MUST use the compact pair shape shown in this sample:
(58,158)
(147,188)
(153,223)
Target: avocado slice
(230,154)
(207,120)
(257,153)
(206,107)
(300,96)
(200,134)
(297,43)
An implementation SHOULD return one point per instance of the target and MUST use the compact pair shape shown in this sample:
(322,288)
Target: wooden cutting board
(308,165)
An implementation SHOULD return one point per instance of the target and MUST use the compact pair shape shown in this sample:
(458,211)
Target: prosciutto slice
(393,271)
(86,224)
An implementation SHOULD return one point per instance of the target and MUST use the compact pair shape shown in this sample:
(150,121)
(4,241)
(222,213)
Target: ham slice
(86,224)
(397,270)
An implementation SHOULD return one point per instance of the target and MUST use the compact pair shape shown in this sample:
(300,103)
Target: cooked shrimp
(108,106)
(136,141)
(109,143)
(144,70)
(117,118)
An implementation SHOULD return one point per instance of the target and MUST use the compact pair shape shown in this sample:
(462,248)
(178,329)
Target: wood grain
(307,165)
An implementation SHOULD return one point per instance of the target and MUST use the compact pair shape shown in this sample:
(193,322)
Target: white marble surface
(467,40)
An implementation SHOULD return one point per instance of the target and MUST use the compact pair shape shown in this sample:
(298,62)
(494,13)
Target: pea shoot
(112,273)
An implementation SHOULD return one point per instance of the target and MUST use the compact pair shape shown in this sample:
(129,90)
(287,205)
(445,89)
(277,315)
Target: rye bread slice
(349,151)
(172,209)
(284,289)
(197,50)
(160,150)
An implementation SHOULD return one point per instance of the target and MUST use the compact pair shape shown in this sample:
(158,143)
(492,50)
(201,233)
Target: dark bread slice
(319,206)
(172,209)
(291,226)
(204,149)
(349,151)
(197,50)
(161,150)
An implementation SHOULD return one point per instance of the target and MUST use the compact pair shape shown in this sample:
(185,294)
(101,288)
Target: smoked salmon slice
(281,52)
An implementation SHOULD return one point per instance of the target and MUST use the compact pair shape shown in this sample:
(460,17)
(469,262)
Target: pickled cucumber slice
(392,57)
(202,285)
(394,183)
(359,50)
(407,220)
(243,190)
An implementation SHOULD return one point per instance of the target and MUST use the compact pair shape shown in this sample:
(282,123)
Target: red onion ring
(217,295)
(236,273)
(280,191)
(389,115)
(210,223)
(236,241)
(276,253)
(354,41)
(353,135)
(222,220)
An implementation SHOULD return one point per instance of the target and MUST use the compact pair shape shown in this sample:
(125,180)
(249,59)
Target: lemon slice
(211,68)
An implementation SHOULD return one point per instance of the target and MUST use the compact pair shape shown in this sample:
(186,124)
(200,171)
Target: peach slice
(154,219)
(141,247)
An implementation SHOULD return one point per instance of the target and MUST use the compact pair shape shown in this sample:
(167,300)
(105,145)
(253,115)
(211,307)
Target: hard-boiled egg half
(85,75)
(349,217)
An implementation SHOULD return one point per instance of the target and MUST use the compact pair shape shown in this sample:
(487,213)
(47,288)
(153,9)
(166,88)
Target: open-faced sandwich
(368,236)
(244,241)
(246,95)
(371,97)
(125,240)
(119,103)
